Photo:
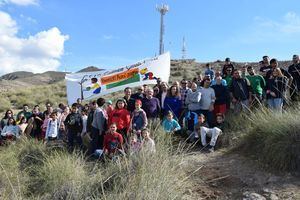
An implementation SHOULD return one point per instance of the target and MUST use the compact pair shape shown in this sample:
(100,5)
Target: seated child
(148,144)
(113,141)
(135,145)
(169,124)
(213,133)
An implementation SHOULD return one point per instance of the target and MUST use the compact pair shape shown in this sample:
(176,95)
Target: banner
(89,85)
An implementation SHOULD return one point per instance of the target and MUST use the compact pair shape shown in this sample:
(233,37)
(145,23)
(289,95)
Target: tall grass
(274,139)
(30,171)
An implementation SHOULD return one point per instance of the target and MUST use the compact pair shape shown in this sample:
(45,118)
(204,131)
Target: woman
(173,102)
(23,124)
(276,88)
(8,114)
(11,130)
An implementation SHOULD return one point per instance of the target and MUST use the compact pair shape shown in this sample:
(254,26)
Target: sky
(43,35)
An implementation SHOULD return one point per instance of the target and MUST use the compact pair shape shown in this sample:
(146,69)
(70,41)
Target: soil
(223,175)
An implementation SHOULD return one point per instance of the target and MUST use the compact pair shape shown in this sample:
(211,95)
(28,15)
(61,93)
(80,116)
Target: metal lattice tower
(183,49)
(163,9)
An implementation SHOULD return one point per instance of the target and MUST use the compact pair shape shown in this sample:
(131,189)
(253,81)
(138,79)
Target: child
(121,117)
(23,124)
(213,133)
(52,127)
(109,108)
(45,124)
(113,141)
(169,124)
(74,126)
(138,120)
(148,144)
(220,121)
(84,122)
(135,145)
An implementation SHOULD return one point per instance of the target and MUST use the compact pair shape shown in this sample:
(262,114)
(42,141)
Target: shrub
(274,139)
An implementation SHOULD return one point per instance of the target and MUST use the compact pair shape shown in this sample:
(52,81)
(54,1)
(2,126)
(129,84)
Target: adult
(34,128)
(139,93)
(99,126)
(264,66)
(227,65)
(240,92)
(274,65)
(130,102)
(184,89)
(222,96)
(151,105)
(257,83)
(162,93)
(24,112)
(49,109)
(11,130)
(209,72)
(294,71)
(193,99)
(173,102)
(276,87)
(214,81)
(4,120)
(207,101)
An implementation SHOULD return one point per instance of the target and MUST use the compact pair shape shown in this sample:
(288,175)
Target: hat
(138,101)
(109,102)
(227,59)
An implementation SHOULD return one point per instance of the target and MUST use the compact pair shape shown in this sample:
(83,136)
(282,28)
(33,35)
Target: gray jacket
(193,100)
(99,119)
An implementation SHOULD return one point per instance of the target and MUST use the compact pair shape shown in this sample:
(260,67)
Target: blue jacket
(172,104)
(170,126)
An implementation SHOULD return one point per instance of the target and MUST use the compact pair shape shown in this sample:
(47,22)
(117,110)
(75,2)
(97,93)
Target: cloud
(265,30)
(20,2)
(36,53)
(109,37)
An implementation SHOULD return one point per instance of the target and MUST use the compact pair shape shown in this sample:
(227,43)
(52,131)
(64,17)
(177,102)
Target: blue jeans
(275,104)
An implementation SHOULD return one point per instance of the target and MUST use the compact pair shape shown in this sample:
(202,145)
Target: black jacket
(74,122)
(222,94)
(277,85)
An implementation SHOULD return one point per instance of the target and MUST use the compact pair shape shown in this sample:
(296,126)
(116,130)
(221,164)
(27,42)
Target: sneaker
(211,149)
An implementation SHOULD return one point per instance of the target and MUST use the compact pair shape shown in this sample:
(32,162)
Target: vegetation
(30,171)
(273,138)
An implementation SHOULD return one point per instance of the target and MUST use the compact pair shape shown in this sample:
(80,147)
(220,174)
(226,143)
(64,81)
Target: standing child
(113,142)
(138,120)
(84,122)
(148,144)
(170,124)
(109,108)
(74,126)
(52,127)
(45,124)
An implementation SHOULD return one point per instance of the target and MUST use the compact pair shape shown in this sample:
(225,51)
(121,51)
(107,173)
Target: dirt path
(230,176)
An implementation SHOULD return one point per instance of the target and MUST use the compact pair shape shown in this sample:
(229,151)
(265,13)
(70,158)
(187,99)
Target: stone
(252,196)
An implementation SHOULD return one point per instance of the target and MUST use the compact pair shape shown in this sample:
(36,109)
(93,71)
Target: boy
(113,141)
(74,126)
(52,127)
(169,124)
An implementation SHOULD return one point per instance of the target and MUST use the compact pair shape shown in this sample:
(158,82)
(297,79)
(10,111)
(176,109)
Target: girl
(138,120)
(52,127)
(113,141)
(11,130)
(135,145)
(148,144)
(120,116)
(62,132)
(45,124)
(276,88)
(169,124)
(23,125)
(173,101)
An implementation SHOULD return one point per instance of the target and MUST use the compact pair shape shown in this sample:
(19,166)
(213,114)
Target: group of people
(198,107)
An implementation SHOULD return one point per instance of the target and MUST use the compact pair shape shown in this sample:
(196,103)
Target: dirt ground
(222,175)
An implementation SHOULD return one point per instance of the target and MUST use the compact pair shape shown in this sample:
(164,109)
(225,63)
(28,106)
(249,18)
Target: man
(151,105)
(98,126)
(25,112)
(228,65)
(183,92)
(207,101)
(139,94)
(49,109)
(294,71)
(240,92)
(214,81)
(130,102)
(257,83)
(209,72)
(265,66)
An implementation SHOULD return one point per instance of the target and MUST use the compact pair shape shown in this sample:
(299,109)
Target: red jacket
(112,142)
(121,117)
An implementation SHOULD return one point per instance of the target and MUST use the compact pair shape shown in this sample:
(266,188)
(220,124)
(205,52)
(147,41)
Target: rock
(252,196)
(273,179)
(273,197)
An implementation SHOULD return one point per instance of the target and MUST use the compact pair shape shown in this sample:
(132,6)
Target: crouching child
(113,142)
(169,124)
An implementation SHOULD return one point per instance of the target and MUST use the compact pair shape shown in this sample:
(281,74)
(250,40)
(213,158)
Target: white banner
(89,85)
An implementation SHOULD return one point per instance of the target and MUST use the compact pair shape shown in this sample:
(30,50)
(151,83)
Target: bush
(274,139)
